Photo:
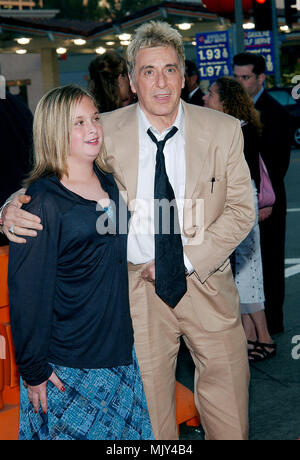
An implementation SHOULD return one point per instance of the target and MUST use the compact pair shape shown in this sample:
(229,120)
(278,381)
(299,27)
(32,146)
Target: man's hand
(148,274)
(264,213)
(23,222)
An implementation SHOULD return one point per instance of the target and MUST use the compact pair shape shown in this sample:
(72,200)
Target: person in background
(192,92)
(249,70)
(16,142)
(228,96)
(109,82)
(71,327)
(185,159)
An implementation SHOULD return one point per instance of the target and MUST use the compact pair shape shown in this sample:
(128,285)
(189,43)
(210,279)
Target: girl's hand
(264,213)
(38,394)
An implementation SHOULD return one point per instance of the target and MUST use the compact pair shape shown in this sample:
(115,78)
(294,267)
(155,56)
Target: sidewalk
(275,386)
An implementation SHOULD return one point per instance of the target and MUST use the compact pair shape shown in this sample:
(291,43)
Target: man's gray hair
(153,34)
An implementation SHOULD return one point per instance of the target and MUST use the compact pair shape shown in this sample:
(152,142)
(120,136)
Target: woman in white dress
(228,96)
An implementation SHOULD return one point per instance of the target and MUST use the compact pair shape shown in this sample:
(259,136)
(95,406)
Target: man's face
(248,79)
(191,82)
(158,81)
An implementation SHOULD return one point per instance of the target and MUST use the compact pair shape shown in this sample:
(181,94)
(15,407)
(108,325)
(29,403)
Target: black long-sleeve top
(68,287)
(252,147)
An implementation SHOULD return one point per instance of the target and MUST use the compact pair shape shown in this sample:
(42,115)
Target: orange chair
(9,377)
(5,354)
(1,383)
(186,411)
(3,315)
(3,280)
(14,376)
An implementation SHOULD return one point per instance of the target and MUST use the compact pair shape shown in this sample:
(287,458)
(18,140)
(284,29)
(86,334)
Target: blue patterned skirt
(98,404)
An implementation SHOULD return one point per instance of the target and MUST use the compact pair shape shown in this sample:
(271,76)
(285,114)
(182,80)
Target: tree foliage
(74,9)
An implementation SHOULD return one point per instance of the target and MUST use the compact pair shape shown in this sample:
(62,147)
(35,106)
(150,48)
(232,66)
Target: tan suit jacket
(214,150)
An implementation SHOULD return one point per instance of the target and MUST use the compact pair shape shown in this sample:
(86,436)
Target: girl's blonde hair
(52,126)
(153,34)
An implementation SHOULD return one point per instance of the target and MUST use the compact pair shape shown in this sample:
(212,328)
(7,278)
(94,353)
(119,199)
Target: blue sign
(213,55)
(261,43)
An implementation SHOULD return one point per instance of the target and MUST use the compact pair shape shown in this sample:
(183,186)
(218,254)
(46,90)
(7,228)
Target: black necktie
(170,278)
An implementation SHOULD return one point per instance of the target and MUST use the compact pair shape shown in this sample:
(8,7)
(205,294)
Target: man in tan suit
(205,162)
(211,182)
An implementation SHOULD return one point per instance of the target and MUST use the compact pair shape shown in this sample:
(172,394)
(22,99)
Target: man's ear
(261,78)
(194,79)
(132,85)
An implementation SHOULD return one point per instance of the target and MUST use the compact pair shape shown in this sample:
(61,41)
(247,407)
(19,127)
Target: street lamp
(239,31)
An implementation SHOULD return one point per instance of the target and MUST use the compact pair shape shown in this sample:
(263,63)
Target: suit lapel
(126,138)
(196,146)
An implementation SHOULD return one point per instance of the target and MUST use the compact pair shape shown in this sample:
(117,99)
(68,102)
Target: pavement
(274,409)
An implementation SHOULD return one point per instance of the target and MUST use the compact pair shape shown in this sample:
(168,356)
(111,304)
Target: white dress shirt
(257,96)
(141,248)
(191,94)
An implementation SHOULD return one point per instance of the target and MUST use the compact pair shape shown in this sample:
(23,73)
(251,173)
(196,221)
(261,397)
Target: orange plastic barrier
(9,377)
(1,383)
(4,354)
(186,411)
(3,283)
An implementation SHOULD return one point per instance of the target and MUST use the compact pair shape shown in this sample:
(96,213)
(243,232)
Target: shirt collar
(255,98)
(145,124)
(191,94)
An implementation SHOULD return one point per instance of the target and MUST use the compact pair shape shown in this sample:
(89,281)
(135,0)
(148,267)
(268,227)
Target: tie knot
(167,137)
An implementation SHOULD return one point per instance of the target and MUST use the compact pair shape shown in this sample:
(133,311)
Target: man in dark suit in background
(249,69)
(192,92)
(16,139)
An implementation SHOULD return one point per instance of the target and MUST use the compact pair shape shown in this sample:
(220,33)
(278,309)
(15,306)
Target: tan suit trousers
(221,364)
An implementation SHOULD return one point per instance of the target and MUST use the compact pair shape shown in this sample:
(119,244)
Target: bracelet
(3,207)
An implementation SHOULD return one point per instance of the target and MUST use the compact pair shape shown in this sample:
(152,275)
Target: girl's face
(212,99)
(87,133)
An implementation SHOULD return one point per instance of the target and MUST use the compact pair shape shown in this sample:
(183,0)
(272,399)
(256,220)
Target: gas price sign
(213,55)
(261,42)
